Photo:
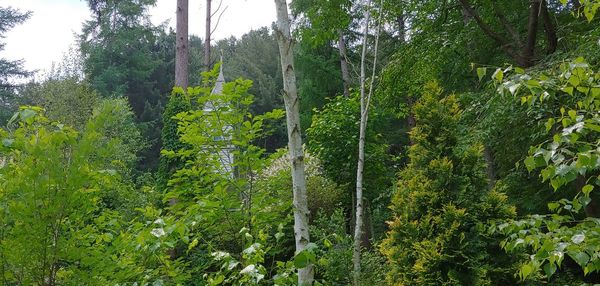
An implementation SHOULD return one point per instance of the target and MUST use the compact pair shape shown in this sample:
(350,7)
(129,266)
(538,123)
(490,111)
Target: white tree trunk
(365,101)
(292,107)
(181,56)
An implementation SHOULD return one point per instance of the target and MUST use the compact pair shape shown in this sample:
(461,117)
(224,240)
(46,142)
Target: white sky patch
(48,34)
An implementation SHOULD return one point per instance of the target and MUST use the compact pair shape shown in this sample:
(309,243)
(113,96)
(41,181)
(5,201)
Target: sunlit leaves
(481,73)
(571,154)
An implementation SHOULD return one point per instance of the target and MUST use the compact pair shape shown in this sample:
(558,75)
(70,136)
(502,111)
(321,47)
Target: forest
(352,142)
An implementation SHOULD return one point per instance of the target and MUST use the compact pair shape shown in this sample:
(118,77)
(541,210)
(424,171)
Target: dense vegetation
(481,153)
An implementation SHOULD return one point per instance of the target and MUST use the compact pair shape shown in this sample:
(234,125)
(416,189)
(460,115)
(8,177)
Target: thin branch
(514,33)
(217,10)
(218,20)
(504,44)
(377,33)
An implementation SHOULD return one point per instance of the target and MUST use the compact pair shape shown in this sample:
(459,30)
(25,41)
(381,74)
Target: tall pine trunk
(207,36)
(181,56)
(292,108)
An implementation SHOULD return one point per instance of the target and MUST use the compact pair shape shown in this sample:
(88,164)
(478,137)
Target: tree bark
(344,63)
(506,45)
(489,168)
(207,36)
(401,21)
(292,105)
(411,122)
(527,56)
(182,55)
(549,28)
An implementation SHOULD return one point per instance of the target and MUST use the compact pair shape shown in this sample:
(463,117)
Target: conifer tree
(442,201)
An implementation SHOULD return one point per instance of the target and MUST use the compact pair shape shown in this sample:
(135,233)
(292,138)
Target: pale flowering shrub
(324,195)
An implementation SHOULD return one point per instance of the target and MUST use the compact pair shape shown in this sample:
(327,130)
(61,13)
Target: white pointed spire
(220,79)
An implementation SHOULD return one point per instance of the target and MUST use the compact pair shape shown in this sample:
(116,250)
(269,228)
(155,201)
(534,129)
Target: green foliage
(332,138)
(319,77)
(324,195)
(178,103)
(216,190)
(250,268)
(124,55)
(65,100)
(251,57)
(441,206)
(322,21)
(335,258)
(115,121)
(567,161)
(53,181)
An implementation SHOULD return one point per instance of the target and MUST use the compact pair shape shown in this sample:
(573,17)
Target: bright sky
(48,34)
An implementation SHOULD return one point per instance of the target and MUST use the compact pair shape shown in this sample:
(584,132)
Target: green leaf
(553,206)
(549,124)
(568,90)
(587,189)
(301,259)
(574,80)
(499,75)
(481,73)
(593,127)
(580,257)
(549,269)
(526,270)
(327,243)
(530,163)
(595,91)
(573,114)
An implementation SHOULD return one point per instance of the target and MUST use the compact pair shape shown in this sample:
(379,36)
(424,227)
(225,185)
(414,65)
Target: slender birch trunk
(182,55)
(365,100)
(292,108)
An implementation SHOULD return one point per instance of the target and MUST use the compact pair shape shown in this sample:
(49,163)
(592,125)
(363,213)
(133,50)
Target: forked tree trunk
(181,56)
(292,108)
(365,100)
(527,56)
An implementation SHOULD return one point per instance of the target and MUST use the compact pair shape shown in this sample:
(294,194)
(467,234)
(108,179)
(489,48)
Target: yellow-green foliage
(441,204)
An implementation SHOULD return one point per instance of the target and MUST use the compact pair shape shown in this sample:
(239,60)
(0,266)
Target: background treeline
(481,152)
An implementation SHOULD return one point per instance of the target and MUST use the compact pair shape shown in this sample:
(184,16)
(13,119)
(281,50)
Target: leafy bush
(335,258)
(568,160)
(54,230)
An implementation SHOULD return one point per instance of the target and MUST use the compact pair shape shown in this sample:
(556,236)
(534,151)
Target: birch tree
(292,107)
(365,100)
(182,55)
